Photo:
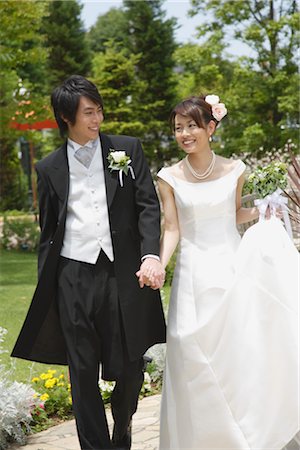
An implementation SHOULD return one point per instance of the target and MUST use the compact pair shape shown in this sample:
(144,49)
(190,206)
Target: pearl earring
(210,139)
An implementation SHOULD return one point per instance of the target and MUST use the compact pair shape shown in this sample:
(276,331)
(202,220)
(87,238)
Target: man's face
(87,122)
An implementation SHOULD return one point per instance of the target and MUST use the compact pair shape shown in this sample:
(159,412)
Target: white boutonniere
(118,160)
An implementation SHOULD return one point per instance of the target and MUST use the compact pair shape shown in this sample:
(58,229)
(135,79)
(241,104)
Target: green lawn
(18,276)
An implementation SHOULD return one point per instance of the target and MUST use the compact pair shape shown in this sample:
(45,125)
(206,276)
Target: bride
(231,375)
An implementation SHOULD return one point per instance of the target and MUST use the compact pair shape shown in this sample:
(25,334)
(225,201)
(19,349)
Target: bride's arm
(244,215)
(170,236)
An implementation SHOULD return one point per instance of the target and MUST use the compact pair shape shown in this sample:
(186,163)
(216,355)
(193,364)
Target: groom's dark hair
(65,99)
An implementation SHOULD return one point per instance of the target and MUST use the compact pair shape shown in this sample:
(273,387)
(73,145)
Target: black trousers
(91,321)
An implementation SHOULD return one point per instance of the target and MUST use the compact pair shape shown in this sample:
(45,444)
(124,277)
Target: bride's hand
(151,274)
(278,213)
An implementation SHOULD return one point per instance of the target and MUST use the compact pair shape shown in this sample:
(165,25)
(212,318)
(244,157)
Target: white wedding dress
(231,378)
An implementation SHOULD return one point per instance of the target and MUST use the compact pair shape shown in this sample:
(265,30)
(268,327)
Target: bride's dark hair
(196,108)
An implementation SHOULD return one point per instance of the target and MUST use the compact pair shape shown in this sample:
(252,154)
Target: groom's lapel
(110,181)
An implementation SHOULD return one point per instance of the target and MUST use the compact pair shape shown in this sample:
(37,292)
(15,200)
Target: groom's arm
(147,203)
(151,271)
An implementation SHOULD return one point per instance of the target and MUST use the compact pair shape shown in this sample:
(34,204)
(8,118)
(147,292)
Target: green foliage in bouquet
(265,180)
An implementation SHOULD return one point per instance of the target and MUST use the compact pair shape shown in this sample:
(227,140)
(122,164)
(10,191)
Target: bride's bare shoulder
(176,169)
(225,165)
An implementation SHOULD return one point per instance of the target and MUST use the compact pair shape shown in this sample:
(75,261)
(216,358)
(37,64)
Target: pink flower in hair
(218,109)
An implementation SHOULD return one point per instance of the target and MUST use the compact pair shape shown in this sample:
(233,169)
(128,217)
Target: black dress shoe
(124,442)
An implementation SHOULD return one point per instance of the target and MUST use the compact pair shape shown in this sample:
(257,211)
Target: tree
(261,84)
(114,72)
(65,37)
(152,37)
(203,69)
(111,26)
(21,45)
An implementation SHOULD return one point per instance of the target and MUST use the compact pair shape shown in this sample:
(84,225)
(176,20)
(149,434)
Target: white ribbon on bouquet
(275,201)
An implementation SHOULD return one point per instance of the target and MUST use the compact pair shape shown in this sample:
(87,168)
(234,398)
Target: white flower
(147,382)
(106,386)
(212,99)
(118,156)
(118,160)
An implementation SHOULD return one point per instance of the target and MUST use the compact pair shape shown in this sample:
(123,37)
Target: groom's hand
(151,273)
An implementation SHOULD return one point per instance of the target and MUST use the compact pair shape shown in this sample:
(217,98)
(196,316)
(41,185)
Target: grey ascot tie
(85,154)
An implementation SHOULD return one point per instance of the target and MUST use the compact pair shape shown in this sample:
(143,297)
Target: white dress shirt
(87,228)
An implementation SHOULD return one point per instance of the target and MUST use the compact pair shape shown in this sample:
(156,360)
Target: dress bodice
(207,209)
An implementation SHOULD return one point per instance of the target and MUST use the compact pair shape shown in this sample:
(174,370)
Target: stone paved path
(145,431)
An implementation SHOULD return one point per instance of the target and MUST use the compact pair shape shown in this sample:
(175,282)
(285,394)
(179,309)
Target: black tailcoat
(135,230)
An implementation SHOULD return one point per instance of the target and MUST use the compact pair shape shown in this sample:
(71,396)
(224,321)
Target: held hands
(151,274)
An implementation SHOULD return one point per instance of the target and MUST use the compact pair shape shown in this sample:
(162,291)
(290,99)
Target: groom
(100,228)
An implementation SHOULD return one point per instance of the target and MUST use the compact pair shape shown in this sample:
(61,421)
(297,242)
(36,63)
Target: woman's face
(189,136)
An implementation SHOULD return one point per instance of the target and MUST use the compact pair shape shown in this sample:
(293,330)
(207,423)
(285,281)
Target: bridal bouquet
(268,183)
(266,180)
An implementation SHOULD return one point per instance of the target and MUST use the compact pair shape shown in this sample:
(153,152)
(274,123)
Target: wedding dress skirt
(231,379)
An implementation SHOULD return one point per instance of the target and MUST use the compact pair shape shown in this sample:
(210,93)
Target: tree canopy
(259,97)
(66,39)
(21,46)
(112,26)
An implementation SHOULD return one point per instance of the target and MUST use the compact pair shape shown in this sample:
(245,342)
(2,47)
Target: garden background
(141,71)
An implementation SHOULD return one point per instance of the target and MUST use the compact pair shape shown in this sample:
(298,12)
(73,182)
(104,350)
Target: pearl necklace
(206,173)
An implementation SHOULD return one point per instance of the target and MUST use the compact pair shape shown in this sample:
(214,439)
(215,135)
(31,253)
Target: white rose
(212,99)
(219,111)
(118,156)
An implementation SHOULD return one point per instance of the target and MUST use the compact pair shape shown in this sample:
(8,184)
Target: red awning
(42,125)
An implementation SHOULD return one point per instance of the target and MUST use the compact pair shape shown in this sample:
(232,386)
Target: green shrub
(20,233)
(17,402)
(13,212)
(54,399)
(170,269)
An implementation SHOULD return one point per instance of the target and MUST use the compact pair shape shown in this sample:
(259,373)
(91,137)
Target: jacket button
(51,242)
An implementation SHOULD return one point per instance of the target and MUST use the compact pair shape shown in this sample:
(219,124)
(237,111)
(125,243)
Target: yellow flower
(51,371)
(50,383)
(44,397)
(61,376)
(46,376)
(60,384)
(35,395)
(35,380)
(70,400)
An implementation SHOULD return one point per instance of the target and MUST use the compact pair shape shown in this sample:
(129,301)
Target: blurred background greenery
(142,71)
